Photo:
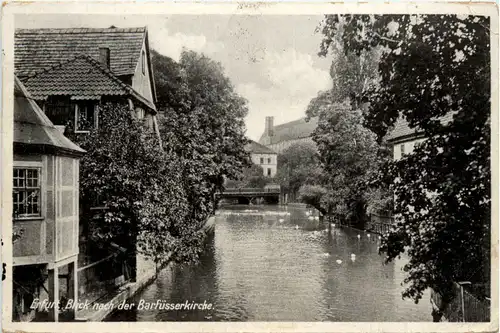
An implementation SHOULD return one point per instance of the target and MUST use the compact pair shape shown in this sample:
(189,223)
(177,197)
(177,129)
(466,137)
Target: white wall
(267,164)
(409,147)
(141,82)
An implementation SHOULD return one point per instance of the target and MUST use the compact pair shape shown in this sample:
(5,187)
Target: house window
(85,116)
(269,160)
(262,160)
(269,171)
(59,110)
(143,62)
(402,147)
(139,113)
(26,192)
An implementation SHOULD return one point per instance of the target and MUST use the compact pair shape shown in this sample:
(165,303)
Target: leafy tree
(252,177)
(297,165)
(202,124)
(349,155)
(140,185)
(219,113)
(352,74)
(315,195)
(440,64)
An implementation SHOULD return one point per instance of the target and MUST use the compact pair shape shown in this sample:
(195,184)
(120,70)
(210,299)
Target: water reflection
(273,264)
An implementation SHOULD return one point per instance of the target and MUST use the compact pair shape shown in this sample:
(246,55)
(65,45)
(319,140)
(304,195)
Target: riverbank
(104,307)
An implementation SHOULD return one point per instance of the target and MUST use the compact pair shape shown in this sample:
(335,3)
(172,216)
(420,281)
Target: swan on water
(311,218)
(339,261)
(326,254)
(368,235)
(281,220)
(296,227)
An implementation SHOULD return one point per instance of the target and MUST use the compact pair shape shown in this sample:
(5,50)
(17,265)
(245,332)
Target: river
(271,263)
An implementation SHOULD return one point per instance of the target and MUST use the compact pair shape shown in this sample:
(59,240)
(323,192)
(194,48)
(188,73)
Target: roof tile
(82,78)
(257,148)
(292,130)
(402,129)
(37,49)
(31,125)
(78,77)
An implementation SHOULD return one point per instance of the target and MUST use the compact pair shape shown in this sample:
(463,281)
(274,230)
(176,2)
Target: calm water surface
(272,264)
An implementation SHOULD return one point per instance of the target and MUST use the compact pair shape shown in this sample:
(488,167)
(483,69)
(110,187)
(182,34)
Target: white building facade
(263,157)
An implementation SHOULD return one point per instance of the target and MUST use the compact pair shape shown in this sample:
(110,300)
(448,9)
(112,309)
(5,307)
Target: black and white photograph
(329,167)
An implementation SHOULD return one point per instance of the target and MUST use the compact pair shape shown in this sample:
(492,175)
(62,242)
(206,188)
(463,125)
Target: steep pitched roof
(82,78)
(292,130)
(32,128)
(37,49)
(402,129)
(257,148)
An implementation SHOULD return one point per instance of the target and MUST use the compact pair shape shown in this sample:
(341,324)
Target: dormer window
(59,110)
(81,115)
(143,62)
(85,116)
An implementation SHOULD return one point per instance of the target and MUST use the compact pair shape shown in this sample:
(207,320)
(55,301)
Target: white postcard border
(9,11)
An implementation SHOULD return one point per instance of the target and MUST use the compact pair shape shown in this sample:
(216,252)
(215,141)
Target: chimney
(269,126)
(104,56)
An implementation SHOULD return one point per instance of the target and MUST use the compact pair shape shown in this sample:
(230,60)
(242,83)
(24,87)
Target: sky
(271,60)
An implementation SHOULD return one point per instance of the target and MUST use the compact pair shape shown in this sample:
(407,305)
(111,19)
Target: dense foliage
(158,198)
(352,74)
(251,177)
(140,186)
(349,156)
(440,64)
(297,165)
(316,196)
(347,173)
(202,124)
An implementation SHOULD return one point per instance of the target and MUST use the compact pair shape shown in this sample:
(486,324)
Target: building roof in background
(292,130)
(257,148)
(38,49)
(33,128)
(82,78)
(402,129)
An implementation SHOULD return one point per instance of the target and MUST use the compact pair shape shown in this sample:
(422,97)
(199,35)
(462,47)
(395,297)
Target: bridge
(251,195)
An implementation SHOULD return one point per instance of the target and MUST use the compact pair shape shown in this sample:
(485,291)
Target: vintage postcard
(176,167)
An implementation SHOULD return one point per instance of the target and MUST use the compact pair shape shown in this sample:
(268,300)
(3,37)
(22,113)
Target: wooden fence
(465,306)
(379,224)
(97,279)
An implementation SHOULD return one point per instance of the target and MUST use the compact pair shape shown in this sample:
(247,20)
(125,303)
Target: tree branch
(386,38)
